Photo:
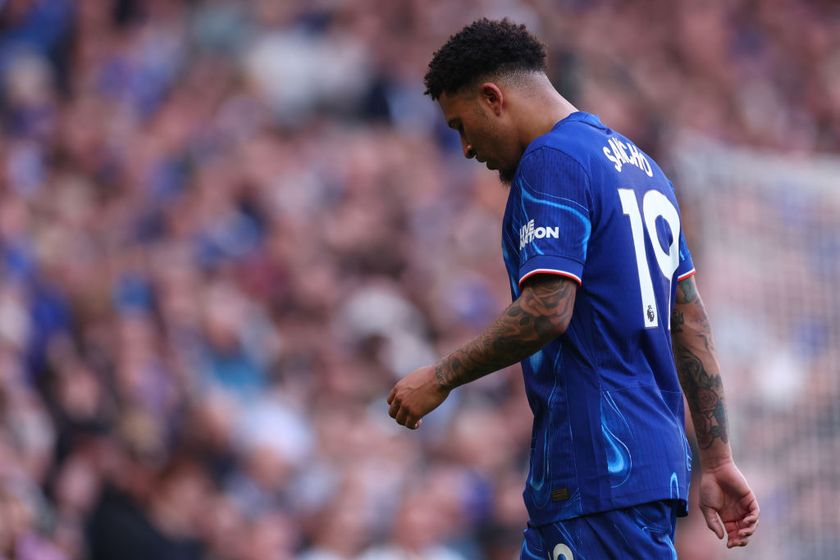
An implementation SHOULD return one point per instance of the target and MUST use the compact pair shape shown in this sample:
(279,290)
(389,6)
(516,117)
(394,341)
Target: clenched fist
(414,396)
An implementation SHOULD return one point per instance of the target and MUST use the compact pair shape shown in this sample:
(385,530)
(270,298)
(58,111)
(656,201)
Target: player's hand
(728,504)
(417,394)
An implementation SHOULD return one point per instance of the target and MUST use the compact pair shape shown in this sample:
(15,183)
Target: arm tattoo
(540,314)
(694,354)
(687,294)
(704,392)
(677,321)
(687,291)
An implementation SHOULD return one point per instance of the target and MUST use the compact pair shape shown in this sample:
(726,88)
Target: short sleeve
(554,213)
(685,269)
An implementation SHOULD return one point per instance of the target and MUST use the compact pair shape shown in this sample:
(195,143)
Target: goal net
(764,229)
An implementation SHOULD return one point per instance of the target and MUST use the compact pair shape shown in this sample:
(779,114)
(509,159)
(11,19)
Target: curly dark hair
(482,48)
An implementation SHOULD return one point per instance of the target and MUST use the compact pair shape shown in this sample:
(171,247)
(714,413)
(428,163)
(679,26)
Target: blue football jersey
(587,204)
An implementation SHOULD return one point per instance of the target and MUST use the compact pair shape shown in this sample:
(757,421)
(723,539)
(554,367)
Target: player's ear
(491,96)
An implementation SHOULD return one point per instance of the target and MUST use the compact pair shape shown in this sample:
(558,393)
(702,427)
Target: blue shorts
(645,531)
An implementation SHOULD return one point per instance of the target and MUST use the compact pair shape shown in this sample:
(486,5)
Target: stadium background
(227,227)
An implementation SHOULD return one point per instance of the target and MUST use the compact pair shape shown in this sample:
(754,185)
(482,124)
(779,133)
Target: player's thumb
(713,521)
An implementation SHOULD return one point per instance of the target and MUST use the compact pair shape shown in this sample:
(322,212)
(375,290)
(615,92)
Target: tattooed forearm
(540,314)
(697,366)
(704,392)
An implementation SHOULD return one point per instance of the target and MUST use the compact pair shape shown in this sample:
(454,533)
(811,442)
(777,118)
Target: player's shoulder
(575,137)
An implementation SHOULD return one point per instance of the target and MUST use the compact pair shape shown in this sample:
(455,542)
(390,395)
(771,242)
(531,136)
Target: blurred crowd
(227,228)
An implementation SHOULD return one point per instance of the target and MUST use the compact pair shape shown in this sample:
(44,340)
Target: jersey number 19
(654,205)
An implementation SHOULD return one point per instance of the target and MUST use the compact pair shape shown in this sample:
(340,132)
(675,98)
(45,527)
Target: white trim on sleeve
(682,277)
(550,271)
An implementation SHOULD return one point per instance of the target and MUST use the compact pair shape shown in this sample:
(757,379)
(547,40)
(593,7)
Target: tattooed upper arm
(686,290)
(540,314)
(547,300)
(686,294)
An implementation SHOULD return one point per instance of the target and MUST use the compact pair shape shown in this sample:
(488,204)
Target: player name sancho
(617,152)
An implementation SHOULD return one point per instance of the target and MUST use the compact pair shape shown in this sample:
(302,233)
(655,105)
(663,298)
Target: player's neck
(547,111)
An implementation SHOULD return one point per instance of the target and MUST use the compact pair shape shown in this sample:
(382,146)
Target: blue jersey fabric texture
(587,204)
(645,532)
